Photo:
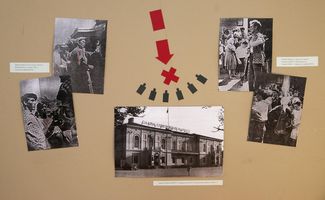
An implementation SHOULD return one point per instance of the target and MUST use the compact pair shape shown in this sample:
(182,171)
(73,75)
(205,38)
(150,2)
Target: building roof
(175,132)
(96,31)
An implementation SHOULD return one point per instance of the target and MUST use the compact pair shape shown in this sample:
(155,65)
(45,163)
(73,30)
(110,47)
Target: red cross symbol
(170,76)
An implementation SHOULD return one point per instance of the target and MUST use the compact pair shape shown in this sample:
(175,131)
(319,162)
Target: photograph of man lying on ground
(48,113)
(79,51)
(245,48)
(276,109)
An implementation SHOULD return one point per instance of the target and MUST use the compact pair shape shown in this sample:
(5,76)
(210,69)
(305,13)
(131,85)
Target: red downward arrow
(163,51)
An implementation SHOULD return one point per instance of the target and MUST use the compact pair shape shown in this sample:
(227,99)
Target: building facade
(148,147)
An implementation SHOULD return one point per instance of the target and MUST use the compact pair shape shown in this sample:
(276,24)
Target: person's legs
(250,76)
(256,131)
(286,139)
(259,132)
(255,69)
(292,142)
(251,130)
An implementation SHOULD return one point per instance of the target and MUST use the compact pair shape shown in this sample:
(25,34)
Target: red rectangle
(157,20)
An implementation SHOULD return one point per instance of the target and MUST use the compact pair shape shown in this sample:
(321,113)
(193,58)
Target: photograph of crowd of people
(245,48)
(276,109)
(48,113)
(79,51)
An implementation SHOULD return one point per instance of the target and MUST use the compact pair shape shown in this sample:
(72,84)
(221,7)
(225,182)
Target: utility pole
(166,146)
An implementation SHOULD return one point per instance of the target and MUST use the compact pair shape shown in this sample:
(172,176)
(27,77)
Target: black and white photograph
(48,113)
(245,48)
(277,109)
(169,141)
(79,51)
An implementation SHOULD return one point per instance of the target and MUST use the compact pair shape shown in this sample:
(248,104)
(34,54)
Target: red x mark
(170,76)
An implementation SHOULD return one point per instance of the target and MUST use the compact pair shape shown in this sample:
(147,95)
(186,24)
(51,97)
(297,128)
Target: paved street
(170,172)
(233,85)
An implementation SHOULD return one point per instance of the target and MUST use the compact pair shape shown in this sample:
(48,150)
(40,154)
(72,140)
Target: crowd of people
(241,53)
(84,66)
(275,115)
(50,123)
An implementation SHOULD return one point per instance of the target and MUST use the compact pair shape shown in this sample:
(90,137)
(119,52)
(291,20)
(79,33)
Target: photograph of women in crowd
(48,113)
(276,109)
(245,48)
(79,51)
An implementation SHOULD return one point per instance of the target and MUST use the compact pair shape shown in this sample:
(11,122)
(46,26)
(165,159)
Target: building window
(183,160)
(204,148)
(136,141)
(174,160)
(191,160)
(145,141)
(211,149)
(163,144)
(174,145)
(150,142)
(189,146)
(183,146)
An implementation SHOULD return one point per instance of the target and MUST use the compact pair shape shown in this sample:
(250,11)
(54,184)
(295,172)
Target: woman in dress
(230,57)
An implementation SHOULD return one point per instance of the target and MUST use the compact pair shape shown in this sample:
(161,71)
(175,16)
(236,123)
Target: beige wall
(251,170)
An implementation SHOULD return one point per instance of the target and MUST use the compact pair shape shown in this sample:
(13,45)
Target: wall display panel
(251,170)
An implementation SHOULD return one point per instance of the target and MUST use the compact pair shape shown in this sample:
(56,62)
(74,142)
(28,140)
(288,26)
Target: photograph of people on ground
(79,51)
(245,48)
(48,113)
(276,109)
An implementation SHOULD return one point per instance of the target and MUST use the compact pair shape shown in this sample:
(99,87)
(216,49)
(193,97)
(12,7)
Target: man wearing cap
(35,136)
(80,68)
(257,56)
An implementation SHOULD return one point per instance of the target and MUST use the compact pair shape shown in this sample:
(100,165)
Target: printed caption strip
(307,61)
(188,183)
(27,67)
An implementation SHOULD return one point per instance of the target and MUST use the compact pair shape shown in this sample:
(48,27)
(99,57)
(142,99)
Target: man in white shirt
(259,116)
(242,55)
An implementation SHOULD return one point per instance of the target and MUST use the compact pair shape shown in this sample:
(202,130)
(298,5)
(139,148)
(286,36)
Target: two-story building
(147,147)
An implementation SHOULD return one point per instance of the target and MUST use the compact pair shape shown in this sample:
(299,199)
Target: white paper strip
(27,67)
(188,183)
(307,61)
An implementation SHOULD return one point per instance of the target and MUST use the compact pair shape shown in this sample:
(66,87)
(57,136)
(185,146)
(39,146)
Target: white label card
(27,67)
(188,183)
(307,61)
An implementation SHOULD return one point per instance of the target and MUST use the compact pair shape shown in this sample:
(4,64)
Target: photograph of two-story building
(168,141)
